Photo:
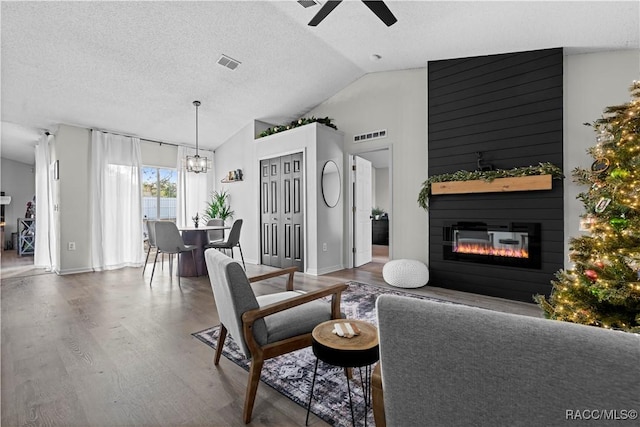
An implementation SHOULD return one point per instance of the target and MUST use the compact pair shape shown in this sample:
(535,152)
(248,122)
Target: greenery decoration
(603,287)
(297,123)
(377,211)
(463,175)
(218,207)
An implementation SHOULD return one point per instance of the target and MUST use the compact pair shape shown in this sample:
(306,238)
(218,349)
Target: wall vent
(228,62)
(308,3)
(377,134)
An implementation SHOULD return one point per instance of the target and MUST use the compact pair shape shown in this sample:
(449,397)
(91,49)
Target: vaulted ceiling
(135,67)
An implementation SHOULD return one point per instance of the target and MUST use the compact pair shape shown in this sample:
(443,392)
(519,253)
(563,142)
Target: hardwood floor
(106,349)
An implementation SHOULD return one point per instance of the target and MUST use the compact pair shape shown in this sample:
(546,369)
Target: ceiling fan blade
(324,11)
(382,11)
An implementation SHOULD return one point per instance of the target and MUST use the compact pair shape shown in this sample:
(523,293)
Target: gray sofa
(448,364)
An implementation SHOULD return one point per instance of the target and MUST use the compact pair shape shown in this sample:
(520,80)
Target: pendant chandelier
(196,163)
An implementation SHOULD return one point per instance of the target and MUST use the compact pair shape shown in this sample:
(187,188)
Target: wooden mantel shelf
(498,185)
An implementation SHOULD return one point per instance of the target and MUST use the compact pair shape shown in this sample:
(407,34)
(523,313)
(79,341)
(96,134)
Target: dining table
(196,236)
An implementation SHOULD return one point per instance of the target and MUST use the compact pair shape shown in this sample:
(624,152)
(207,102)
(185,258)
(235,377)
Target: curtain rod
(151,140)
(133,136)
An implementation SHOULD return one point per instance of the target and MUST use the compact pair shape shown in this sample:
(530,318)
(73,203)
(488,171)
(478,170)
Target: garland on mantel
(297,123)
(463,175)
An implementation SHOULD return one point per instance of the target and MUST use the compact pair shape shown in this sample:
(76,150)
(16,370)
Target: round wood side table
(359,351)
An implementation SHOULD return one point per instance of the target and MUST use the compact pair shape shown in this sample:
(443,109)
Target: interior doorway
(372,202)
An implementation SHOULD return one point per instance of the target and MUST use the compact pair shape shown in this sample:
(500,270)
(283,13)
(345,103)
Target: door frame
(348,211)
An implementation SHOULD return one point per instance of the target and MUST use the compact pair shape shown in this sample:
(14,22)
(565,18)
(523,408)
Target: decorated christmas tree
(603,288)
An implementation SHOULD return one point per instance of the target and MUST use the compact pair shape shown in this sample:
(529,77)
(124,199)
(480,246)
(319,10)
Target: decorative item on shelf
(196,220)
(31,210)
(196,164)
(232,176)
(297,123)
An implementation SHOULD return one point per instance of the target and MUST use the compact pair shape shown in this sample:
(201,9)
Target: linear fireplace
(511,244)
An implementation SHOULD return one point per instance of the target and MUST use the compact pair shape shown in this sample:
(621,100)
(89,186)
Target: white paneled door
(362,212)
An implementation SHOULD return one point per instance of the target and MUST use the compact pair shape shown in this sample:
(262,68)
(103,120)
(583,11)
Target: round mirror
(331,183)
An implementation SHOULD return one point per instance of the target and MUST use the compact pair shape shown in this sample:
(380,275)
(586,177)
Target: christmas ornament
(586,222)
(604,136)
(600,264)
(619,223)
(591,275)
(600,165)
(619,173)
(602,204)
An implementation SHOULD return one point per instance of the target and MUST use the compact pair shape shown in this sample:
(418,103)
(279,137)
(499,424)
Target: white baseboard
(326,270)
(73,271)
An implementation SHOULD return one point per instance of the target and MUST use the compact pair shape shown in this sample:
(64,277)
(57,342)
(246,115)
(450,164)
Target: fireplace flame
(475,249)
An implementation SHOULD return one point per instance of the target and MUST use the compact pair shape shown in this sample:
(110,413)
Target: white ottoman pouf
(405,273)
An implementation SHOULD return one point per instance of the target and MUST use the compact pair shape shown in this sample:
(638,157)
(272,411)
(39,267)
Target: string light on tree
(603,287)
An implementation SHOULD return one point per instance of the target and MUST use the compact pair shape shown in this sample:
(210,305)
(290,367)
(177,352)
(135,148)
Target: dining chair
(215,236)
(151,241)
(268,325)
(232,241)
(169,241)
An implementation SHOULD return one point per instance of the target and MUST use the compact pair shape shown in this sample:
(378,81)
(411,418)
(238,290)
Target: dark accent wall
(509,108)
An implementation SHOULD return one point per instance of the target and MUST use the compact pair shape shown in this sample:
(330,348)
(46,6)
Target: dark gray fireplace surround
(507,109)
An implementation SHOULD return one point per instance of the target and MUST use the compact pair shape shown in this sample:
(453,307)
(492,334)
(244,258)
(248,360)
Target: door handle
(288,219)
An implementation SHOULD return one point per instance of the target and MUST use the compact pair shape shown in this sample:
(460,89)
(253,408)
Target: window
(159,191)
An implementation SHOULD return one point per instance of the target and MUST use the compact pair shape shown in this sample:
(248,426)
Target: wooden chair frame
(261,353)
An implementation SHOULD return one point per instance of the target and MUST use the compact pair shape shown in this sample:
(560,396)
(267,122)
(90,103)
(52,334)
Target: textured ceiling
(136,67)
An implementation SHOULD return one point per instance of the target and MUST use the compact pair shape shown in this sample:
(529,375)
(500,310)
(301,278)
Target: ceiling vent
(308,3)
(228,62)
(370,135)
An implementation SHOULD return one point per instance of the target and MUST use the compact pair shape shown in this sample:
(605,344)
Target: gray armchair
(450,364)
(269,325)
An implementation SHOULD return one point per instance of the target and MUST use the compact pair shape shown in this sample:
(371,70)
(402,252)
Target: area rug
(291,374)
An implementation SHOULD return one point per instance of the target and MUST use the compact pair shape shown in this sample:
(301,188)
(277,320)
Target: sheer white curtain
(116,202)
(42,257)
(193,188)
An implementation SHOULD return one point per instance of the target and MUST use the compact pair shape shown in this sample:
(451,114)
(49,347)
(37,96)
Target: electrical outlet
(324,247)
(71,246)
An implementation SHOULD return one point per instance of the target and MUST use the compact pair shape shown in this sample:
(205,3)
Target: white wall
(592,82)
(18,181)
(158,155)
(238,153)
(242,151)
(72,193)
(395,101)
(329,220)
(72,146)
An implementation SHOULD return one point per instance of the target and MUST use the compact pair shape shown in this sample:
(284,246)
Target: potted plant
(218,206)
(376,212)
